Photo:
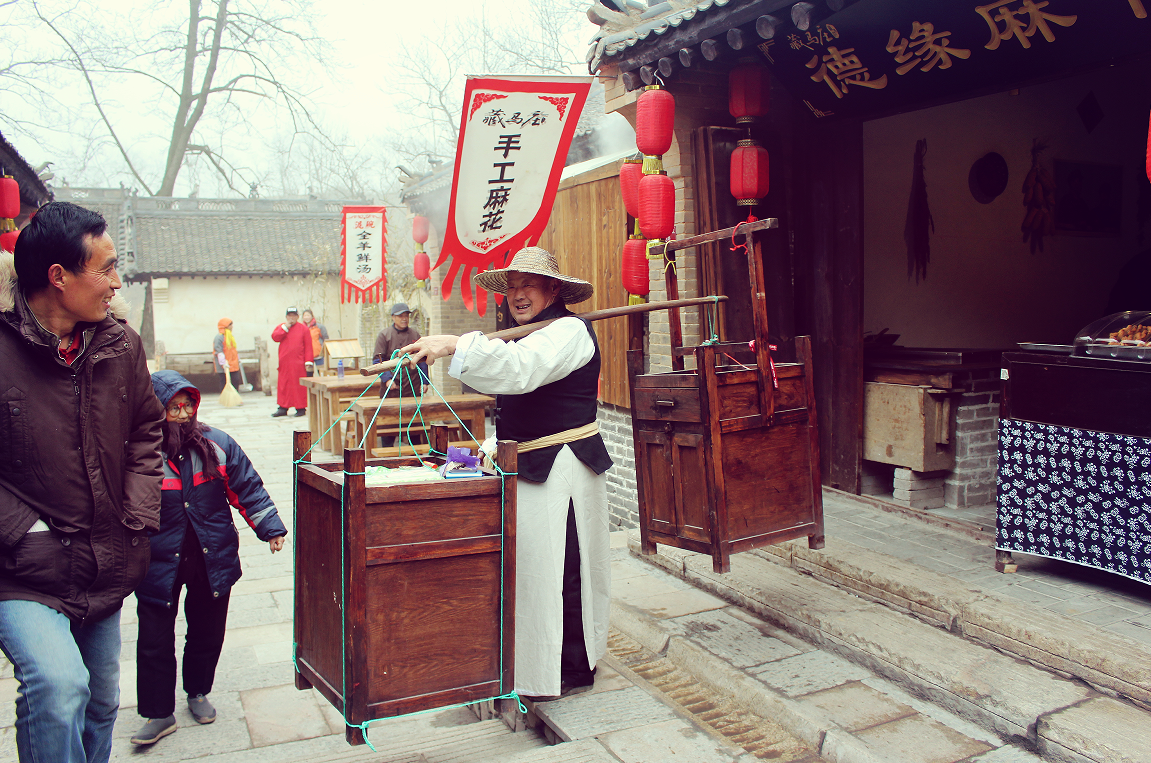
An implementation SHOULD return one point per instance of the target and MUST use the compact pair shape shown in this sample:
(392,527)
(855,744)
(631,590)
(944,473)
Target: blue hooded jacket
(188,500)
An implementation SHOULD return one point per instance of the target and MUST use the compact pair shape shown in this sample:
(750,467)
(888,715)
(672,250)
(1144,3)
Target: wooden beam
(687,57)
(765,26)
(719,235)
(735,39)
(710,49)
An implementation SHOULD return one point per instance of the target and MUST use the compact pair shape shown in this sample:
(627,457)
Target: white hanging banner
(514,138)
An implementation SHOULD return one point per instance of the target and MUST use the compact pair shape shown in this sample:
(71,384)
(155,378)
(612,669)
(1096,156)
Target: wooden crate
(909,426)
(404,595)
(727,455)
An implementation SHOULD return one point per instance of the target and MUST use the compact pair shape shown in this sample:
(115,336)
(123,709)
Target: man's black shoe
(301,411)
(280,412)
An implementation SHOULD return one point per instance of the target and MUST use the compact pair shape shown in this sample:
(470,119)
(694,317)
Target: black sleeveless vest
(561,405)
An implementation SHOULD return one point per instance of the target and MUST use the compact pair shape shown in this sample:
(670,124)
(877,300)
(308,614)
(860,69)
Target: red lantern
(634,266)
(421,266)
(656,206)
(8,240)
(654,121)
(629,177)
(749,173)
(9,198)
(748,92)
(420,229)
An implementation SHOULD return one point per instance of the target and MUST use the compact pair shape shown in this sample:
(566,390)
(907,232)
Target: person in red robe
(295,349)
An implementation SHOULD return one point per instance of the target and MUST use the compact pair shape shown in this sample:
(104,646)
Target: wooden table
(328,396)
(470,408)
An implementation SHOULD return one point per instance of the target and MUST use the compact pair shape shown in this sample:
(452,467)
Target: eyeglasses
(174,409)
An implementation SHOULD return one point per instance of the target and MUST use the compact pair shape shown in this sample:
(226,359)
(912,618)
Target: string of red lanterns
(421,264)
(9,211)
(749,99)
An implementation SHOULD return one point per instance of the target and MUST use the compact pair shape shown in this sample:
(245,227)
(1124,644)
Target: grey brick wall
(972,481)
(622,494)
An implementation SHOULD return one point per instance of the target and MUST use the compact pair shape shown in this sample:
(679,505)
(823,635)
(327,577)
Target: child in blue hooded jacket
(197,547)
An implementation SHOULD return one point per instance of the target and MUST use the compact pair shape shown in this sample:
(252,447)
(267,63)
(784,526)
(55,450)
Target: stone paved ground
(262,717)
(1104,599)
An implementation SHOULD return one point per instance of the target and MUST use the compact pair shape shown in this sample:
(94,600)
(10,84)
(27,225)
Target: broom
(230,398)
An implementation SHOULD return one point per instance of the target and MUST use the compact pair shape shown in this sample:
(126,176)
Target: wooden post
(507,456)
(803,355)
(355,594)
(440,438)
(634,369)
(301,444)
(762,342)
(675,328)
(713,461)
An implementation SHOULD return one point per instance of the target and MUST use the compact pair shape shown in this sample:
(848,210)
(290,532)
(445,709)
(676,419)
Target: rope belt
(559,438)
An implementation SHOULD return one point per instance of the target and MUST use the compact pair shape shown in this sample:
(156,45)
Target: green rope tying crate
(505,692)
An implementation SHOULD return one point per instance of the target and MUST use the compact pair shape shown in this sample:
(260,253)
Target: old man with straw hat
(546,384)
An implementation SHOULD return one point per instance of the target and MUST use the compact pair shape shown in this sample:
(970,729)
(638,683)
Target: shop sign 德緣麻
(883,56)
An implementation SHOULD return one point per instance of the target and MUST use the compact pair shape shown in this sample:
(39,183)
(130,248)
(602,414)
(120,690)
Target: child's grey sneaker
(154,730)
(201,709)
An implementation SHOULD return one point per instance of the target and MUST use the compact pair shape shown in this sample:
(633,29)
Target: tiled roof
(620,30)
(33,191)
(227,243)
(170,237)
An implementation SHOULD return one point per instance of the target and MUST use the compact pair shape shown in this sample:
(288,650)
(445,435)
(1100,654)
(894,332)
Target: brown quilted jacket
(79,449)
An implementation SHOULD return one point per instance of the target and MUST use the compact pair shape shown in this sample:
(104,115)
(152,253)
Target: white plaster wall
(187,321)
(984,288)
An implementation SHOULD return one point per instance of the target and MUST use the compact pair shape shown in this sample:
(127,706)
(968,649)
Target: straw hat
(533,259)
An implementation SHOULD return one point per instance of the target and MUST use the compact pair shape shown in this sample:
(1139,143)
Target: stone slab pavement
(263,717)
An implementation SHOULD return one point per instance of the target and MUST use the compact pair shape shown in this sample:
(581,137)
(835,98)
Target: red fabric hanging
(9,198)
(634,267)
(420,229)
(750,180)
(748,92)
(1149,149)
(629,177)
(8,240)
(656,206)
(654,121)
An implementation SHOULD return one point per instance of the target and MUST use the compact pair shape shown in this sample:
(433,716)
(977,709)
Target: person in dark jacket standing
(196,547)
(80,480)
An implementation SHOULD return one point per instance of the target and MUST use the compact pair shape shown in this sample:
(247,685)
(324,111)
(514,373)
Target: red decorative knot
(9,198)
(748,92)
(654,121)
(633,267)
(629,177)
(421,266)
(749,173)
(420,229)
(481,99)
(560,102)
(656,206)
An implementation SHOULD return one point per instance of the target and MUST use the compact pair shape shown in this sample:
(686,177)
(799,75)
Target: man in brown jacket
(80,476)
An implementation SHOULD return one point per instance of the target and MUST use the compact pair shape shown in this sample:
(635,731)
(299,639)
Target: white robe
(492,366)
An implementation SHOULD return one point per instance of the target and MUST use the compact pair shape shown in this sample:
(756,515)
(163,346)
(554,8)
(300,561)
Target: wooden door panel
(768,478)
(655,469)
(691,486)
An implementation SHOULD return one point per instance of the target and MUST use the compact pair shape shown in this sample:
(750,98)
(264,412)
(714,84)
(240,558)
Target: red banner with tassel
(514,137)
(363,254)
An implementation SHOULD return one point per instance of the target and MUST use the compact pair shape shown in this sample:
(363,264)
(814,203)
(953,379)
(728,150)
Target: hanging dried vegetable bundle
(920,225)
(1038,200)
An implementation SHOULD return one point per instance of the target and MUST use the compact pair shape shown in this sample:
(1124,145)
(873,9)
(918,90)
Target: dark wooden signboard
(727,454)
(883,56)
(405,594)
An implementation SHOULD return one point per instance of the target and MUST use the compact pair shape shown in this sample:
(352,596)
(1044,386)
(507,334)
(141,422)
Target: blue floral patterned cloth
(1076,495)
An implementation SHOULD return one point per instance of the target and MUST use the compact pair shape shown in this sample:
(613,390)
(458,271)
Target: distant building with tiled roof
(198,260)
